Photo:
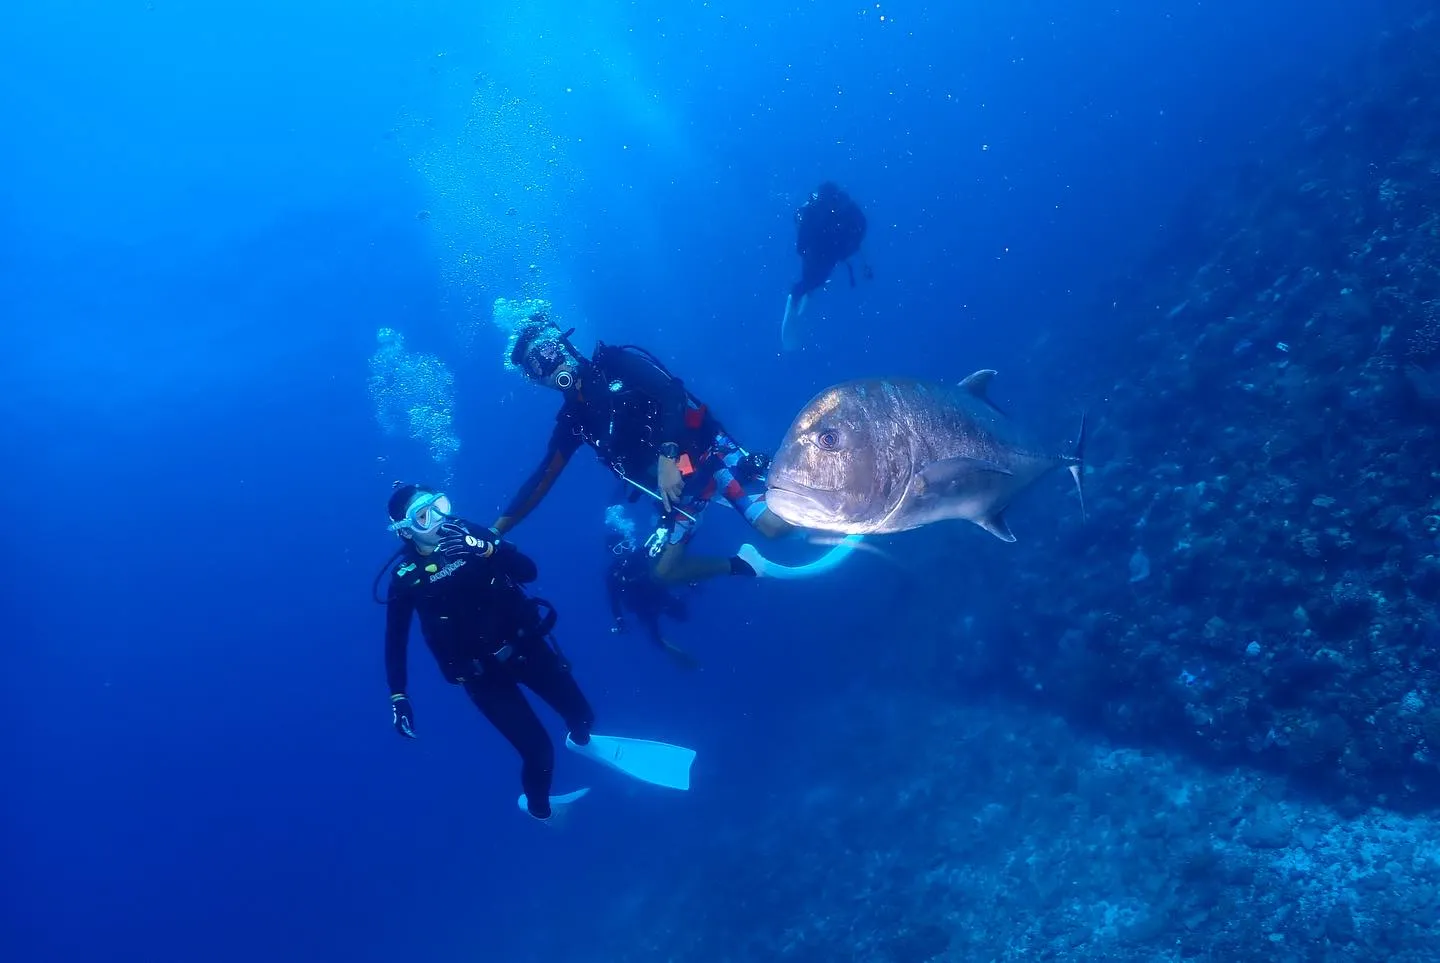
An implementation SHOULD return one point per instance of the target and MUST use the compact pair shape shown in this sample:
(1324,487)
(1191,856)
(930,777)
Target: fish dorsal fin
(951,475)
(978,382)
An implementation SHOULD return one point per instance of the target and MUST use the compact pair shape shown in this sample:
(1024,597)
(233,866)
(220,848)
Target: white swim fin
(557,803)
(658,763)
(765,568)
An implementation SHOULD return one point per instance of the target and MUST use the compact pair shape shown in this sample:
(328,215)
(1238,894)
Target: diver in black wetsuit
(651,432)
(829,229)
(487,634)
(628,586)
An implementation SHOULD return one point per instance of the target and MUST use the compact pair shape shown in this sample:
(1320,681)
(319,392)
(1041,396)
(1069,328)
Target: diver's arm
(398,612)
(563,444)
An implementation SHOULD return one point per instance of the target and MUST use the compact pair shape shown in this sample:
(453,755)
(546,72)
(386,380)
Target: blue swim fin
(658,763)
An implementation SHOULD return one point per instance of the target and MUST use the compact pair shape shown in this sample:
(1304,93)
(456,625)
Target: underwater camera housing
(754,466)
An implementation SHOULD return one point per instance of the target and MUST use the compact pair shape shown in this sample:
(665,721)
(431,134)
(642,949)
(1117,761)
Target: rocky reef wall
(1259,574)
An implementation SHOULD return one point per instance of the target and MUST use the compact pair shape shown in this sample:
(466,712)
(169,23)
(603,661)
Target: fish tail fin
(1076,464)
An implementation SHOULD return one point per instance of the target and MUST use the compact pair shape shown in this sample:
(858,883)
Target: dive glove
(402,715)
(457,541)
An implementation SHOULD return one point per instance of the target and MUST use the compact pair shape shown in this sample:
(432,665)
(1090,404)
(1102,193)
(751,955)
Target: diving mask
(425,514)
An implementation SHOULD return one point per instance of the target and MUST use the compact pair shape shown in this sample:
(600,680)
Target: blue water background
(210,210)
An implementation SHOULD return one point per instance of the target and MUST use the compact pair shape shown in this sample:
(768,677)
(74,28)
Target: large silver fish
(880,455)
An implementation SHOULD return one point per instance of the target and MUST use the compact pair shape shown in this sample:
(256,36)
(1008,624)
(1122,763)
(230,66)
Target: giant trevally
(880,455)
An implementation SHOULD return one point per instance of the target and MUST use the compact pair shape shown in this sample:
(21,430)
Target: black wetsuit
(490,637)
(629,586)
(829,228)
(625,409)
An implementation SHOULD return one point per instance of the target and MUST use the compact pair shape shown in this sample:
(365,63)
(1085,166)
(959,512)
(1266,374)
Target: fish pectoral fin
(996,525)
(951,474)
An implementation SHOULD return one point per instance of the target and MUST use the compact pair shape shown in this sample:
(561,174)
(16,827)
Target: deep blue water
(209,212)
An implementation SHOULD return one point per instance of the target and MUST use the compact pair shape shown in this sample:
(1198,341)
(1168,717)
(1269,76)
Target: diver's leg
(676,565)
(550,678)
(501,701)
(813,276)
(770,525)
(650,622)
(677,608)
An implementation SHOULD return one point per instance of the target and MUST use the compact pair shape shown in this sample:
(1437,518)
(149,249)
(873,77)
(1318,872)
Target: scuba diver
(628,585)
(829,228)
(649,430)
(491,637)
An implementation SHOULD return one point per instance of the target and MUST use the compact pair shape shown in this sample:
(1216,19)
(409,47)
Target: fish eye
(829,439)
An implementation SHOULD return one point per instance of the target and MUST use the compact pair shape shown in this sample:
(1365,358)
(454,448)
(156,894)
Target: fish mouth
(814,496)
(800,489)
(804,507)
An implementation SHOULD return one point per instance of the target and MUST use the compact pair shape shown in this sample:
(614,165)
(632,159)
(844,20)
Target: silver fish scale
(950,422)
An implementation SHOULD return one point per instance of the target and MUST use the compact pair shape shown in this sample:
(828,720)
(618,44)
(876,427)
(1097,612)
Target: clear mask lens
(425,514)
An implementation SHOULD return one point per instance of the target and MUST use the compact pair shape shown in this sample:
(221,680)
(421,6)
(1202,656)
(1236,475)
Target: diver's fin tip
(557,803)
(657,763)
(786,343)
